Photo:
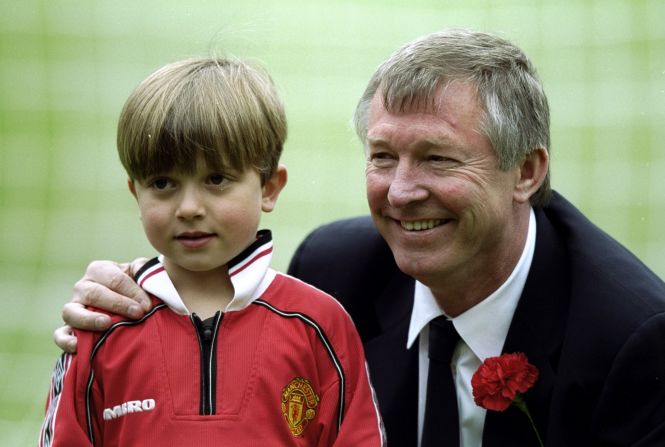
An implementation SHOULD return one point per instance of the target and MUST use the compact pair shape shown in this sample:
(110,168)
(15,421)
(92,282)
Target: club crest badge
(299,402)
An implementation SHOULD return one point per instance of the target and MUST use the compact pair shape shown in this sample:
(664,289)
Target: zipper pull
(206,326)
(207,332)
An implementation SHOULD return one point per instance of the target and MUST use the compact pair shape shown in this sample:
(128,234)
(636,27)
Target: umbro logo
(132,406)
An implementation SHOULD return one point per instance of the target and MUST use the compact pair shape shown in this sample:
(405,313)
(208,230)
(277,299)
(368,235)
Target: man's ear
(132,188)
(532,172)
(272,187)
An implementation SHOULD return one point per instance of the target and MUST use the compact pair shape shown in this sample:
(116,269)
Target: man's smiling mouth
(420,225)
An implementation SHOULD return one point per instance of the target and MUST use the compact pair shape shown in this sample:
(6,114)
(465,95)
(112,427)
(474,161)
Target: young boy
(232,353)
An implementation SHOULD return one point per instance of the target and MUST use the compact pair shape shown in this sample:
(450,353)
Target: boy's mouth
(194,239)
(193,235)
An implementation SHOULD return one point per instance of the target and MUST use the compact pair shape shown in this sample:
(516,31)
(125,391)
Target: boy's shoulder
(93,336)
(290,294)
(115,318)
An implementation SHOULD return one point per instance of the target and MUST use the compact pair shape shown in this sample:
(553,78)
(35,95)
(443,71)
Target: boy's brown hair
(223,109)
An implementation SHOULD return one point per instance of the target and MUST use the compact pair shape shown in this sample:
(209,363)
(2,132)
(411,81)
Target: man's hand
(106,285)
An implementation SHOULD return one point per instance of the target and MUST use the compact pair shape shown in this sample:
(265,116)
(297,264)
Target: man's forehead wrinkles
(432,130)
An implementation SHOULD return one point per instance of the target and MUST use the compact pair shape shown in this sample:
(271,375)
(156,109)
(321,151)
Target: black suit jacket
(591,318)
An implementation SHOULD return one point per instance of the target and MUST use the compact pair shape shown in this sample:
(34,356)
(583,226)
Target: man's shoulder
(346,232)
(293,296)
(351,261)
(351,245)
(587,241)
(600,265)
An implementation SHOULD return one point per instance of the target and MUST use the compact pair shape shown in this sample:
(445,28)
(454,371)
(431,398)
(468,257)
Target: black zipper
(206,331)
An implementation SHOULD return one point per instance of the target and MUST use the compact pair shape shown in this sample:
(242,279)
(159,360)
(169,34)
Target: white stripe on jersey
(47,431)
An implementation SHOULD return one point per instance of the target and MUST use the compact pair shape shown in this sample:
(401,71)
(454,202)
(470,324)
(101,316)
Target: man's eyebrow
(426,143)
(378,141)
(437,142)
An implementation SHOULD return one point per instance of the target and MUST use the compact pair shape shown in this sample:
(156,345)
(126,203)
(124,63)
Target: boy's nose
(191,204)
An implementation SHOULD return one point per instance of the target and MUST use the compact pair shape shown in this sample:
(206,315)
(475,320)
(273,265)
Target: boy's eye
(161,183)
(216,179)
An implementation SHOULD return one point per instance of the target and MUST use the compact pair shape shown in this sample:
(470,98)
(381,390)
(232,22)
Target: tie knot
(442,339)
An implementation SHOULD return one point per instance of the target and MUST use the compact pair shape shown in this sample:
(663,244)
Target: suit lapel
(393,368)
(537,330)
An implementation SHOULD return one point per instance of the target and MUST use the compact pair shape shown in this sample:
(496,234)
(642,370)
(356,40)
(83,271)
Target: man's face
(435,191)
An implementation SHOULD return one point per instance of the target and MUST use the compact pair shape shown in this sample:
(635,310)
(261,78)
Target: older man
(474,251)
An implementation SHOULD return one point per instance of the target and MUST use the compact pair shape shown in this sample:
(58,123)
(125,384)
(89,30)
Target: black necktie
(441,428)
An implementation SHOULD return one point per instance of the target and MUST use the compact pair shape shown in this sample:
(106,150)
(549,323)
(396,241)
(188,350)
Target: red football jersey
(282,365)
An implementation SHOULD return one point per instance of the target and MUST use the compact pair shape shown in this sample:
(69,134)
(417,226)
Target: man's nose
(407,186)
(191,204)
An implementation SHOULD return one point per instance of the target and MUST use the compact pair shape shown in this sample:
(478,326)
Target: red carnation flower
(500,382)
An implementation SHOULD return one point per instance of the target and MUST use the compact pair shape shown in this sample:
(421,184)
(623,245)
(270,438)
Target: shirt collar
(483,339)
(249,271)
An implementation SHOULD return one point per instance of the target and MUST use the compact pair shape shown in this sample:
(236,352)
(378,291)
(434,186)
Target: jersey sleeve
(362,425)
(65,422)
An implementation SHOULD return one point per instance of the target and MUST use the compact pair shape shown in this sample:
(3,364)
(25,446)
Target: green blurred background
(66,68)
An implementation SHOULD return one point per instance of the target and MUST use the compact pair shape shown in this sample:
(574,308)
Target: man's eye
(381,160)
(441,159)
(379,156)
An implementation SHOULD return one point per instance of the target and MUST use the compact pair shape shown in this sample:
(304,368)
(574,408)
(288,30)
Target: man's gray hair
(516,115)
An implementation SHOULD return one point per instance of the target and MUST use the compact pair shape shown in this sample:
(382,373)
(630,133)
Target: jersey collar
(249,271)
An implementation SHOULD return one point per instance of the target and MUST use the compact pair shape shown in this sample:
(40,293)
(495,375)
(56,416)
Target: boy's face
(200,221)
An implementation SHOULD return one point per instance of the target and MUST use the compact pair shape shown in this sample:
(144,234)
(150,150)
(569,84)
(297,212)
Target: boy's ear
(272,187)
(531,174)
(132,188)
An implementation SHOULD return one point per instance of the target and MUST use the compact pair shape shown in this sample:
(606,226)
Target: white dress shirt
(479,340)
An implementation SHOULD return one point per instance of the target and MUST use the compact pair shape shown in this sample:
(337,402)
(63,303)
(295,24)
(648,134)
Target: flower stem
(519,402)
